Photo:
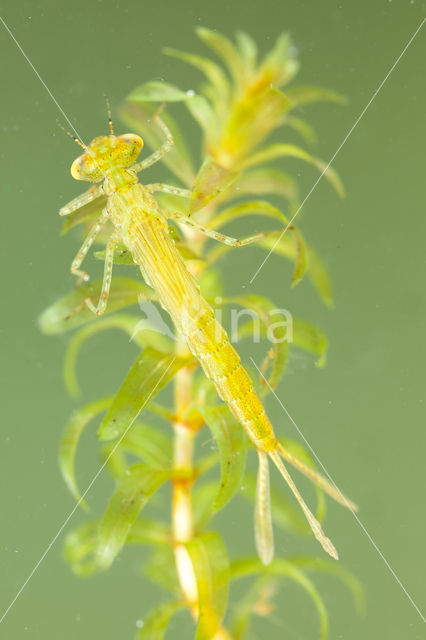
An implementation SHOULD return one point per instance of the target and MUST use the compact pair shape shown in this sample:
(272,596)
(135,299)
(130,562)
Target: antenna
(83,146)
(111,126)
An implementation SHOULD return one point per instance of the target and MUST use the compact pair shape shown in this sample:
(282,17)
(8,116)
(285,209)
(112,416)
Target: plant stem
(182,515)
(182,520)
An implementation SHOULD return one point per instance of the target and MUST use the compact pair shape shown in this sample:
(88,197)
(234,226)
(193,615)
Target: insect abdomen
(163,267)
(222,365)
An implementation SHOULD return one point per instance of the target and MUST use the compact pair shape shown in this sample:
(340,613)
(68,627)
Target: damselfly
(141,226)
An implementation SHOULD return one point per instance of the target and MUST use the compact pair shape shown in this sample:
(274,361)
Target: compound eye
(128,147)
(86,168)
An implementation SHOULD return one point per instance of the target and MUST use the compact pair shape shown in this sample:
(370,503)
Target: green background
(362,414)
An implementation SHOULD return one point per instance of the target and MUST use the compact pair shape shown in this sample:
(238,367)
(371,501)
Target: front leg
(80,201)
(165,147)
(90,238)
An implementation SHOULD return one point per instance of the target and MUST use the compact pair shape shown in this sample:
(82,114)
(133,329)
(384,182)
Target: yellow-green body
(143,229)
(141,225)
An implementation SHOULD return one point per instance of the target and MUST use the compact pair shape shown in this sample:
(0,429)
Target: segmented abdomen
(164,269)
(209,342)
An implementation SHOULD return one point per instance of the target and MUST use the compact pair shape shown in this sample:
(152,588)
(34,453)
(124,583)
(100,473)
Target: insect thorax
(119,180)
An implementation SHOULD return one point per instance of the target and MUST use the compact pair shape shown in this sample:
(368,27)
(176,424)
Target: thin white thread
(340,147)
(88,150)
(337,488)
(41,79)
(68,518)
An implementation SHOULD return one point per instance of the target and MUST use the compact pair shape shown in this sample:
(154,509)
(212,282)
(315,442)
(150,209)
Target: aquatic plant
(237,108)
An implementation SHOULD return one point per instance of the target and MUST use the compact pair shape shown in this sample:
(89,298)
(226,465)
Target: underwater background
(363,413)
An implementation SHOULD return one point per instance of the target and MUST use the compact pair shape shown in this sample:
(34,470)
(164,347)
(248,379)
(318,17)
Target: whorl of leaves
(240,103)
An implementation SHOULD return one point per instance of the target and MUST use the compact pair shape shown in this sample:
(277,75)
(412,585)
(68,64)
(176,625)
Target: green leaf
(318,275)
(225,50)
(139,331)
(301,262)
(210,69)
(231,441)
(134,490)
(79,548)
(201,110)
(211,568)
(283,568)
(147,443)
(115,460)
(302,128)
(280,63)
(121,255)
(157,92)
(204,390)
(203,498)
(253,117)
(316,270)
(81,544)
(282,150)
(86,213)
(145,531)
(276,241)
(206,463)
(310,338)
(124,292)
(155,625)
(161,411)
(212,179)
(70,438)
(217,91)
(139,117)
(260,592)
(266,181)
(161,569)
(247,48)
(335,569)
(211,284)
(272,320)
(253,207)
(151,372)
(299,96)
(153,446)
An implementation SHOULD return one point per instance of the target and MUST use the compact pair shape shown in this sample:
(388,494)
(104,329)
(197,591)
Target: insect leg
(168,188)
(216,235)
(80,201)
(165,147)
(99,309)
(76,263)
